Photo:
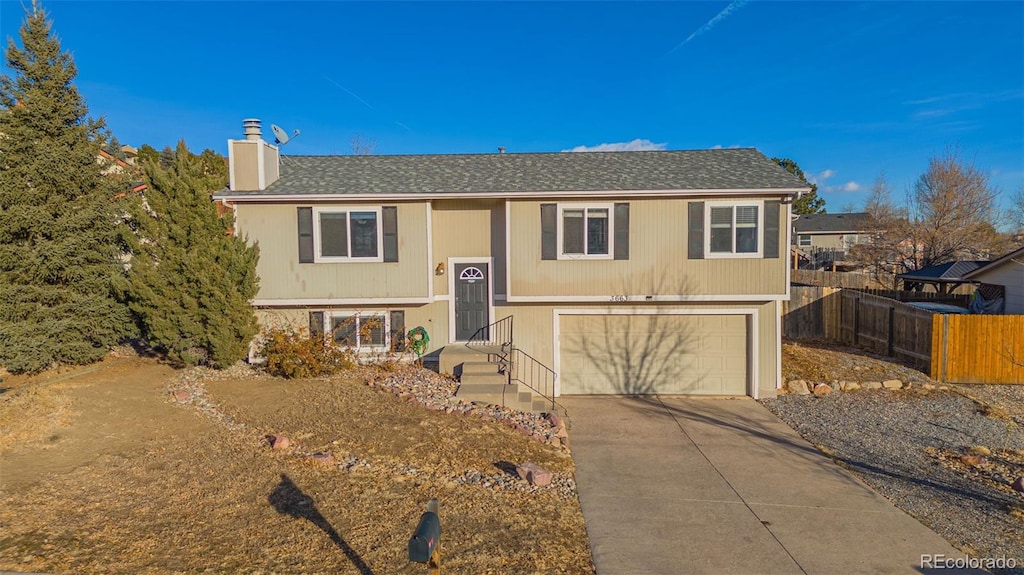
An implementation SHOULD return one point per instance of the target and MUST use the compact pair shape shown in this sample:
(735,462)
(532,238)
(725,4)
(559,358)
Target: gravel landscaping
(947,459)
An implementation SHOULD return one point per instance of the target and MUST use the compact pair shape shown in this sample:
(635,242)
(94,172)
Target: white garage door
(647,354)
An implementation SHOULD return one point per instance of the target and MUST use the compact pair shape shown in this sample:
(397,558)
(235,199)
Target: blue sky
(846,89)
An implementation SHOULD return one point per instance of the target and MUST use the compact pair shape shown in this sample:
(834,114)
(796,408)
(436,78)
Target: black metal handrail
(525,369)
(516,365)
(498,333)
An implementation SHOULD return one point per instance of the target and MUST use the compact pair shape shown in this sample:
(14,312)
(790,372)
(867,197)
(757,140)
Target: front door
(472,286)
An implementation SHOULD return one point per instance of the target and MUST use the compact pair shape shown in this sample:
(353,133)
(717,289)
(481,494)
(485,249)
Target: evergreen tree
(147,152)
(190,280)
(808,203)
(58,236)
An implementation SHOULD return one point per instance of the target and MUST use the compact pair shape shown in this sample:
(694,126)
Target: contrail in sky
(734,6)
(364,102)
(350,93)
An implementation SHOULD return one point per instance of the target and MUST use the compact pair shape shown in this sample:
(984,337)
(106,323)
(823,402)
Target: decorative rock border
(418,386)
(804,387)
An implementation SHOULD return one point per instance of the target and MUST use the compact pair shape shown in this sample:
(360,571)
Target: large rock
(822,389)
(872,385)
(554,419)
(534,474)
(797,387)
(278,441)
(324,459)
(892,384)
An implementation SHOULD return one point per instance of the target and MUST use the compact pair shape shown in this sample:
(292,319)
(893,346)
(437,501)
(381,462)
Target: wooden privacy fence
(811,312)
(887,327)
(840,279)
(978,348)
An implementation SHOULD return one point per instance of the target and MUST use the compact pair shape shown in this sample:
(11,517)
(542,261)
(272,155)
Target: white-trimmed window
(804,240)
(733,229)
(361,331)
(586,231)
(348,234)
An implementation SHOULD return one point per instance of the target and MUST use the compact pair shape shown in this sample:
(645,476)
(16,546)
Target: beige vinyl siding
(245,165)
(469,228)
(275,228)
(1010,275)
(657,264)
(270,163)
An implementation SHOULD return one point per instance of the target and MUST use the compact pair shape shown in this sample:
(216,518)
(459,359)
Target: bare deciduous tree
(952,212)
(889,251)
(1017,208)
(362,146)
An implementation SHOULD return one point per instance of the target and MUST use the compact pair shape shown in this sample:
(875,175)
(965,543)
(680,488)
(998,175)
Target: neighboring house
(823,240)
(627,272)
(126,167)
(836,231)
(1002,277)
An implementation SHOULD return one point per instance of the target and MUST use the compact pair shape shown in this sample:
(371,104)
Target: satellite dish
(280,136)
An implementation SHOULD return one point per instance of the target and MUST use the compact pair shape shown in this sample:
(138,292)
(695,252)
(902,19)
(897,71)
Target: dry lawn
(103,473)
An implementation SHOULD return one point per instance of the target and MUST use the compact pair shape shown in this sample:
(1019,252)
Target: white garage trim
(752,334)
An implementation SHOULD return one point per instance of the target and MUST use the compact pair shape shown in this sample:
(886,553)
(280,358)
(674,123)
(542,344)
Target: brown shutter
(622,231)
(771,228)
(397,330)
(305,235)
(316,323)
(695,235)
(390,216)
(549,231)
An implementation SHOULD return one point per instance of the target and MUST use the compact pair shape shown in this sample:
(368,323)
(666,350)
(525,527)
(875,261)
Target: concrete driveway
(693,485)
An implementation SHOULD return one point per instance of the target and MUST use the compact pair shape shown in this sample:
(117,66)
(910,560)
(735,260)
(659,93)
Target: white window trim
(317,248)
(586,206)
(708,254)
(359,348)
(800,240)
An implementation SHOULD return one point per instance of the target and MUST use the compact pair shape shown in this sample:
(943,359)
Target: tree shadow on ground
(288,499)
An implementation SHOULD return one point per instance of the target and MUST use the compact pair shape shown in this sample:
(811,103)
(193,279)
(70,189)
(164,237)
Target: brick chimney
(253,164)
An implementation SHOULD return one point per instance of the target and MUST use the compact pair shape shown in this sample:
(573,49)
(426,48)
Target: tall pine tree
(191,280)
(58,237)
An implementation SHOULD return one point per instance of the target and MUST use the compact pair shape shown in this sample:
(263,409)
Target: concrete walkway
(686,485)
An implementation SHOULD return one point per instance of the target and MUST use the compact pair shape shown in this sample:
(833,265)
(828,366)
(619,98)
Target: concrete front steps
(480,380)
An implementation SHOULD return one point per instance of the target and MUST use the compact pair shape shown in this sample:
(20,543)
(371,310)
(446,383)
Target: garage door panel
(666,354)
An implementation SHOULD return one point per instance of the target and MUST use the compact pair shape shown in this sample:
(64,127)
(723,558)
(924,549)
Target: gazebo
(945,278)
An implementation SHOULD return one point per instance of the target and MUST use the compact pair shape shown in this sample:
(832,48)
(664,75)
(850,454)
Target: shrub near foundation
(294,354)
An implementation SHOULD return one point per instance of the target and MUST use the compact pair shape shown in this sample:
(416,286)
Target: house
(1003,278)
(621,273)
(823,240)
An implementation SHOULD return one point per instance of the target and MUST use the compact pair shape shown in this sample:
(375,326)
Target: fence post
(945,346)
(890,347)
(856,320)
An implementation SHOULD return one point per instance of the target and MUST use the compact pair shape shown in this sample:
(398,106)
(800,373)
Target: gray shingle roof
(948,272)
(823,223)
(724,169)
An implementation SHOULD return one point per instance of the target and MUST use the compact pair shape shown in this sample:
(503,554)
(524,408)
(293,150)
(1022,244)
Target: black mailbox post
(425,543)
